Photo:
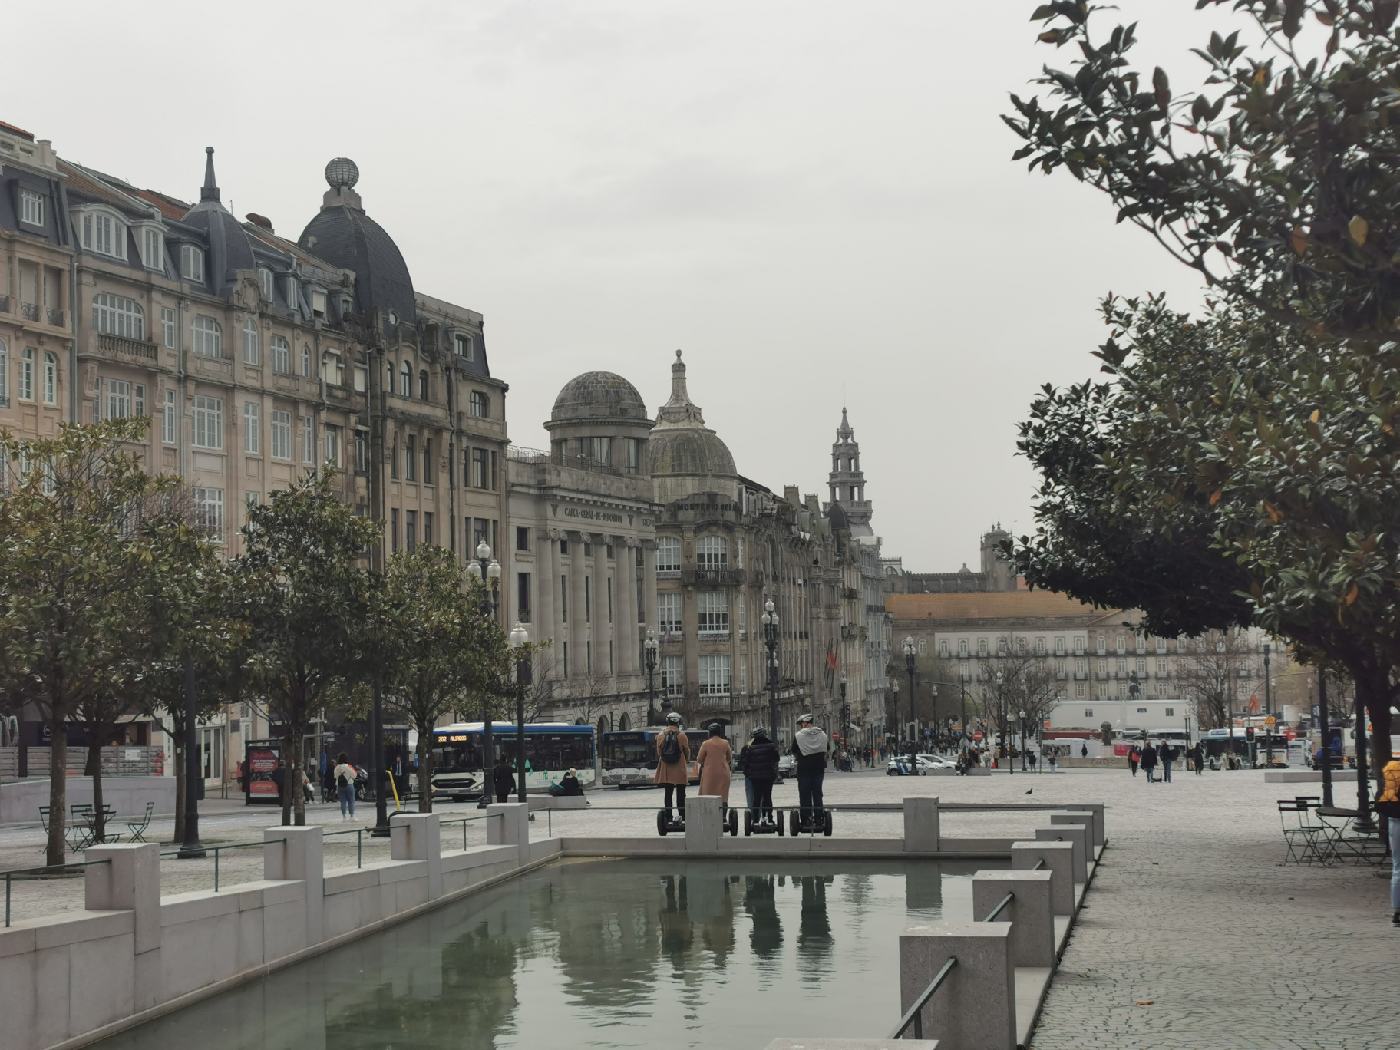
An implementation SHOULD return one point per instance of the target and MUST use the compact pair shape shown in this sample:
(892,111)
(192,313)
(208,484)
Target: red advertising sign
(260,763)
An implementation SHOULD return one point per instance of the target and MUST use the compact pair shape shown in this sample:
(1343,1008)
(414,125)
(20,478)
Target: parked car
(787,766)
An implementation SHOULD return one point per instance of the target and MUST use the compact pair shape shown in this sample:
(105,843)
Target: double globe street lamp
(910,651)
(649,650)
(490,582)
(769,620)
(519,639)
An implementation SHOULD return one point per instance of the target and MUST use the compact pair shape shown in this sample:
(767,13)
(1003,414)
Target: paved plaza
(1193,934)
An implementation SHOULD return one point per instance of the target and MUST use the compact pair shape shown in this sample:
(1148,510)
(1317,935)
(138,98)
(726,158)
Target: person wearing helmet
(715,758)
(809,748)
(673,762)
(759,761)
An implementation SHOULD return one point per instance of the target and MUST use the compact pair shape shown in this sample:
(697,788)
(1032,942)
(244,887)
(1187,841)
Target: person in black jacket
(502,779)
(759,761)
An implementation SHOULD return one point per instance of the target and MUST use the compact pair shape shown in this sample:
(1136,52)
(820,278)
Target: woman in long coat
(716,758)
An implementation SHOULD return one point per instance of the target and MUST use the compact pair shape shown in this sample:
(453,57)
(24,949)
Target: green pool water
(605,953)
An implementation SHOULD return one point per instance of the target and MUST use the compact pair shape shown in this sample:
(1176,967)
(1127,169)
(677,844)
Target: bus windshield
(629,750)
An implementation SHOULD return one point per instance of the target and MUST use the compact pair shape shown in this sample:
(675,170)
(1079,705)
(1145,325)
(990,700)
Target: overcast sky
(813,200)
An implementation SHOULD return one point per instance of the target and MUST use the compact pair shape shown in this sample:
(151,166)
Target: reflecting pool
(601,953)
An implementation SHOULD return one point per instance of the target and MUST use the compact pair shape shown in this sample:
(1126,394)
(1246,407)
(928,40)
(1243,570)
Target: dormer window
(318,302)
(463,345)
(103,233)
(293,300)
(31,208)
(153,248)
(192,263)
(265,282)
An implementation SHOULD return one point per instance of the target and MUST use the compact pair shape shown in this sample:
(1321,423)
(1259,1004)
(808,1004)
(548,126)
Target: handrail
(913,1016)
(9,876)
(1001,904)
(216,850)
(1038,864)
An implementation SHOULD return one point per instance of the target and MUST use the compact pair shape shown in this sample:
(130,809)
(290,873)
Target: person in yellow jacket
(1388,806)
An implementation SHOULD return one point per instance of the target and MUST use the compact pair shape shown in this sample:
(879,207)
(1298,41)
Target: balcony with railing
(711,577)
(29,311)
(203,367)
(4,304)
(133,349)
(56,317)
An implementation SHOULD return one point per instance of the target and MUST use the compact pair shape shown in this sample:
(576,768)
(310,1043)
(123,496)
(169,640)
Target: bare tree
(1017,684)
(1210,675)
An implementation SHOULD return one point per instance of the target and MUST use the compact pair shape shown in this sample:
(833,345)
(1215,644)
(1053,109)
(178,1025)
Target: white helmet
(674,718)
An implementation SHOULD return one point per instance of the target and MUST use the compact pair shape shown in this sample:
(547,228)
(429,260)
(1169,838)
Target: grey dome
(229,247)
(688,451)
(598,395)
(342,234)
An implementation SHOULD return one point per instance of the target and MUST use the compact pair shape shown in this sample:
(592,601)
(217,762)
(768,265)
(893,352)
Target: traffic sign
(1270,721)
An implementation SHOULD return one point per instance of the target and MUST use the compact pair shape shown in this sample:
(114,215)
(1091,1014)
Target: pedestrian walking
(1148,758)
(1197,758)
(502,779)
(673,762)
(1388,808)
(1083,750)
(1167,755)
(345,775)
(1133,756)
(715,758)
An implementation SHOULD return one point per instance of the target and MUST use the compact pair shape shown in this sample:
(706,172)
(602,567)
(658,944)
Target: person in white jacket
(809,747)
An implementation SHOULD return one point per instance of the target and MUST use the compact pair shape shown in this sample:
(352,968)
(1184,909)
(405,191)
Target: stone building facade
(995,574)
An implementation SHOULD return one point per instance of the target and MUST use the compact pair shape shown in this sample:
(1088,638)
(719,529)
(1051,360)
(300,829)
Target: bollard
(975,1009)
(418,836)
(1029,913)
(921,825)
(294,854)
(1077,836)
(1084,820)
(702,824)
(1059,860)
(508,824)
(129,881)
(1095,808)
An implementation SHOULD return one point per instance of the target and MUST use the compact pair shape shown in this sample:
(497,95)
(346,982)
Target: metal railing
(47,870)
(216,850)
(914,1015)
(464,821)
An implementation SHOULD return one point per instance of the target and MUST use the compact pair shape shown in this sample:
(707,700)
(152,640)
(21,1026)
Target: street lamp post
(1268,713)
(490,576)
(769,619)
(518,639)
(1363,822)
(845,715)
(649,649)
(1021,717)
(1324,719)
(893,709)
(909,653)
(190,846)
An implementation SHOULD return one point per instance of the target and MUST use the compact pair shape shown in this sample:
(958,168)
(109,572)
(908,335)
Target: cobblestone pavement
(1190,909)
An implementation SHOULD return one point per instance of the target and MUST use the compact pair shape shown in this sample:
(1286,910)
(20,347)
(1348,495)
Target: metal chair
(1301,835)
(138,827)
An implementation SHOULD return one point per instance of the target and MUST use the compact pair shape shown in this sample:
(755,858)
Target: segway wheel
(661,822)
(826,823)
(778,818)
(748,823)
(733,822)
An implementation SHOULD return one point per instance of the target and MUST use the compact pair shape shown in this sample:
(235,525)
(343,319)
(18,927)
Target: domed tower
(846,481)
(997,572)
(229,250)
(599,421)
(341,233)
(684,455)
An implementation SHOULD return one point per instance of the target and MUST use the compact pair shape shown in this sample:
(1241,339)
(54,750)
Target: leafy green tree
(84,531)
(304,597)
(434,645)
(1272,174)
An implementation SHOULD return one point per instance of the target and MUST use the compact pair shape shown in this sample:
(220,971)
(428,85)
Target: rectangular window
(564,601)
(362,451)
(209,511)
(410,459)
(522,538)
(332,445)
(250,504)
(167,327)
(668,613)
(463,345)
(714,674)
(118,403)
(428,527)
(50,378)
(208,422)
(265,282)
(1171,712)
(281,434)
(281,356)
(394,463)
(167,420)
(103,234)
(308,440)
(31,208)
(252,428)
(634,455)
(410,529)
(394,530)
(428,471)
(152,249)
(252,345)
(1088,712)
(522,597)
(610,599)
(480,466)
(713,613)
(711,552)
(26,374)
(587,599)
(668,555)
(191,263)
(672,676)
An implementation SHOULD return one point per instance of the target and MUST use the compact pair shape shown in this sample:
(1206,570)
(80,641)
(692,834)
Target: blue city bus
(629,756)
(551,748)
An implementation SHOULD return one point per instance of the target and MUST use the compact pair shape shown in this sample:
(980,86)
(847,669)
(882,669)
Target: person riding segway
(761,771)
(809,748)
(672,773)
(715,759)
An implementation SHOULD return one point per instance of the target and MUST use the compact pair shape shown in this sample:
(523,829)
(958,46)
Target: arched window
(603,724)
(252,346)
(711,552)
(406,380)
(50,378)
(208,337)
(306,359)
(423,385)
(480,405)
(118,315)
(281,355)
(624,722)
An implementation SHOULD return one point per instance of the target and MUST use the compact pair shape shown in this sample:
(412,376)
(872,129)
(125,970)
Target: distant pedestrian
(1167,755)
(1197,758)
(502,779)
(1388,807)
(1083,750)
(1148,758)
(1133,756)
(345,776)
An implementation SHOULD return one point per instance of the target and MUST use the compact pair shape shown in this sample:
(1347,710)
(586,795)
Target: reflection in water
(600,954)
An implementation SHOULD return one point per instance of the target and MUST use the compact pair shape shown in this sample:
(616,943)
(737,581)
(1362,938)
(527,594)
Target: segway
(666,823)
(773,825)
(819,822)
(731,821)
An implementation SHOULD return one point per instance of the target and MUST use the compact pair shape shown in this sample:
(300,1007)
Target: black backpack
(671,747)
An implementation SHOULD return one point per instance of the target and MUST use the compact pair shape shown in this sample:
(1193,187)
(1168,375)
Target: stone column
(291,853)
(1030,915)
(649,581)
(546,584)
(1059,859)
(418,836)
(975,1009)
(507,824)
(921,825)
(578,628)
(626,587)
(602,624)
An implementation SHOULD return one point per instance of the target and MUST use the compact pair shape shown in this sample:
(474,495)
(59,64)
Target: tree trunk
(425,773)
(94,770)
(58,791)
(179,789)
(286,799)
(294,777)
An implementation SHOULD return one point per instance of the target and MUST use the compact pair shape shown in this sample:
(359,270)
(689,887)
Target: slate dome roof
(680,443)
(598,395)
(229,247)
(342,234)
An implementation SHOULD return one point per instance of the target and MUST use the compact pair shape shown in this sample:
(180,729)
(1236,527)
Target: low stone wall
(128,795)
